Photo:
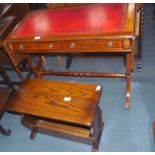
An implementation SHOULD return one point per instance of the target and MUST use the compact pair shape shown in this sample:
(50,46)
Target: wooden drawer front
(32,47)
(97,45)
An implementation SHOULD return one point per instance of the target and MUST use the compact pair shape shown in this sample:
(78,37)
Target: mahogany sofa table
(106,28)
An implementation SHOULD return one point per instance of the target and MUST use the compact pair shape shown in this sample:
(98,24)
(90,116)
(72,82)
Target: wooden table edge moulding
(63,39)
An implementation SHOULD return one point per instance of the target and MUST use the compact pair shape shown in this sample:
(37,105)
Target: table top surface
(90,19)
(62,101)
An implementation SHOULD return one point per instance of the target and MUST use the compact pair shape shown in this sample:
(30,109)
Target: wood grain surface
(63,101)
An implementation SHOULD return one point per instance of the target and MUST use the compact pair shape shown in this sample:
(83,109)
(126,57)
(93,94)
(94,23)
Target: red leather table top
(97,18)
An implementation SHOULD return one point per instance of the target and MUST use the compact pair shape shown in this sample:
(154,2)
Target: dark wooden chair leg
(68,61)
(5,132)
(124,60)
(96,142)
(153,127)
(33,133)
(140,39)
(94,147)
(6,77)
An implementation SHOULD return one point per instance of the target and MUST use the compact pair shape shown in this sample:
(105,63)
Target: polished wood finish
(128,80)
(90,135)
(35,47)
(84,74)
(48,99)
(79,29)
(64,5)
(109,45)
(65,109)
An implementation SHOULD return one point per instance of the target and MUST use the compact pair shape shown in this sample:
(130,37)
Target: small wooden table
(65,109)
(106,28)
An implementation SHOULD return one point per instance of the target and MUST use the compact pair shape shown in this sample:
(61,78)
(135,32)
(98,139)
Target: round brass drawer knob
(50,45)
(110,44)
(72,45)
(21,46)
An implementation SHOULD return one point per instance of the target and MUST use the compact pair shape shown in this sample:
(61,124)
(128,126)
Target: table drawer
(97,45)
(34,47)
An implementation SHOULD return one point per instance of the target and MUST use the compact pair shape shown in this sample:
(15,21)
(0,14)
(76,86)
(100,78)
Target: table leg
(33,133)
(128,91)
(128,80)
(68,61)
(59,61)
(39,66)
(153,127)
(5,132)
(96,143)
(6,77)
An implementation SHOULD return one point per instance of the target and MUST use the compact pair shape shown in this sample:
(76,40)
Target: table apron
(73,46)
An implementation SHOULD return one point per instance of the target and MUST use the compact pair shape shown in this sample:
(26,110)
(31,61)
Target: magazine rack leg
(4,131)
